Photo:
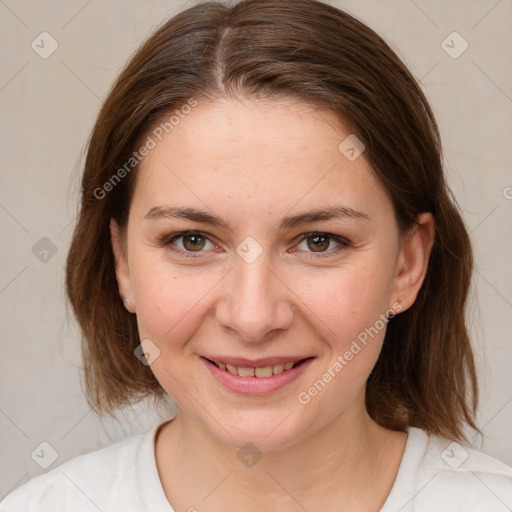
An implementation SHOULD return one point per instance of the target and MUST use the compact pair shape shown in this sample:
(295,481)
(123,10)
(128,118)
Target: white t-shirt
(434,475)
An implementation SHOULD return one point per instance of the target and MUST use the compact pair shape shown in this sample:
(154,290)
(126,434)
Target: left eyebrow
(288,222)
(329,213)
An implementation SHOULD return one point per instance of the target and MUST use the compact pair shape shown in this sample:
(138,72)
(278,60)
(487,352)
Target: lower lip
(256,385)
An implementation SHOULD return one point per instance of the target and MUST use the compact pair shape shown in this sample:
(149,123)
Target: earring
(127,300)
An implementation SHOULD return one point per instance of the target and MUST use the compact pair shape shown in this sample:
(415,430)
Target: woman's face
(294,255)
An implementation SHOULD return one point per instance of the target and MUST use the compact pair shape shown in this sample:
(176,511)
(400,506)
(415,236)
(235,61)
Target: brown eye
(318,243)
(193,242)
(189,244)
(323,245)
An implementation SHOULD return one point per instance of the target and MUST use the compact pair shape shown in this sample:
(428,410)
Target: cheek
(169,302)
(350,309)
(347,300)
(339,302)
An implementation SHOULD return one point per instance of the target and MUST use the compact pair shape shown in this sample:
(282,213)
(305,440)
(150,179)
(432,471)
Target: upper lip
(256,363)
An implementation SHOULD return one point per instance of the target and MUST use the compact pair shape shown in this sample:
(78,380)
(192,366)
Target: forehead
(232,129)
(274,152)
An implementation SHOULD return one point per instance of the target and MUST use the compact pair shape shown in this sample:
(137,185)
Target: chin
(267,432)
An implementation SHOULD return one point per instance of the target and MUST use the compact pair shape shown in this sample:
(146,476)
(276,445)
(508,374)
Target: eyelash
(169,239)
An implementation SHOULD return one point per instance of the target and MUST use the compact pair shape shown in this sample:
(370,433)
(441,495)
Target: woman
(267,237)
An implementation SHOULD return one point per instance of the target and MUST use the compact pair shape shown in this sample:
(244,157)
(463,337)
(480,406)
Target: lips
(253,378)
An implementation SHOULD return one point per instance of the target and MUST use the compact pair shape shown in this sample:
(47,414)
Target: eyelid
(169,239)
(342,241)
(337,238)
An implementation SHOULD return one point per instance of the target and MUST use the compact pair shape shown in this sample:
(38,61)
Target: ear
(124,283)
(413,260)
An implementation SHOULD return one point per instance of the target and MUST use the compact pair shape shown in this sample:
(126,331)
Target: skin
(252,162)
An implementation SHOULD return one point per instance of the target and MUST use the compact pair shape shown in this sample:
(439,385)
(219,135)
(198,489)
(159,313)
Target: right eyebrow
(193,214)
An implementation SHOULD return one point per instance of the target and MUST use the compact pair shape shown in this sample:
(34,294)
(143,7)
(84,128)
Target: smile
(260,372)
(255,377)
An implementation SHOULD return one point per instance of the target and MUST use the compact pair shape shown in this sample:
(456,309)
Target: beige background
(48,108)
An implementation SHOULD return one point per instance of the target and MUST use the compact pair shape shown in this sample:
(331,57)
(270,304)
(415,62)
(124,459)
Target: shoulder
(472,477)
(80,484)
(437,474)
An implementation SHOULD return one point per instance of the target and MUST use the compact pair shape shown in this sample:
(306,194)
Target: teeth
(232,369)
(246,372)
(268,371)
(261,373)
(278,368)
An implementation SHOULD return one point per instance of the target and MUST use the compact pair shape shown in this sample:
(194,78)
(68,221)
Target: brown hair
(303,49)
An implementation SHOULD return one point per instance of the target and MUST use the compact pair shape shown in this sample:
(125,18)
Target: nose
(255,302)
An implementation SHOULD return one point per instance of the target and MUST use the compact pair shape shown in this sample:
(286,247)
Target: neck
(346,458)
